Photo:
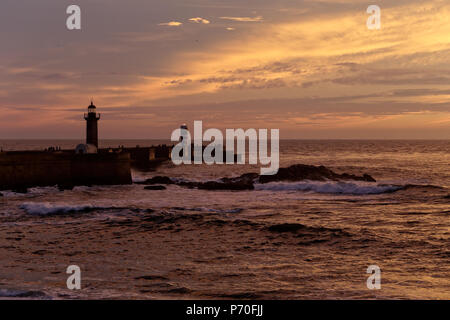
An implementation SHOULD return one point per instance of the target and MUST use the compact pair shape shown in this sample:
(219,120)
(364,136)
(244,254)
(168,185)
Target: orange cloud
(244,19)
(199,20)
(171,24)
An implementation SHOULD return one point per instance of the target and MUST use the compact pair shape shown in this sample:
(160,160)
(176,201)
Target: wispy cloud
(290,71)
(171,24)
(244,19)
(199,20)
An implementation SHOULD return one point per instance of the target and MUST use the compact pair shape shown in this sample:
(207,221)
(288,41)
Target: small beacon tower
(184,129)
(91,125)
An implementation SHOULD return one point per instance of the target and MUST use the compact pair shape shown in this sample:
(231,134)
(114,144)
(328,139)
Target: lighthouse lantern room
(92,125)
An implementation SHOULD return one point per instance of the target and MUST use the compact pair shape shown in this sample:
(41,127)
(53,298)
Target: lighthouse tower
(184,131)
(91,125)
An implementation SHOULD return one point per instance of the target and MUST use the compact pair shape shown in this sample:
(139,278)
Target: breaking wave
(330,187)
(137,178)
(8,293)
(46,208)
(30,192)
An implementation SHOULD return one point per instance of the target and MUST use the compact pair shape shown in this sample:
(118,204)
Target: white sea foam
(136,178)
(43,190)
(330,187)
(31,192)
(45,208)
(10,194)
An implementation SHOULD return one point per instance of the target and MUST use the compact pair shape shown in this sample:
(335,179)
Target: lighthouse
(92,125)
(184,131)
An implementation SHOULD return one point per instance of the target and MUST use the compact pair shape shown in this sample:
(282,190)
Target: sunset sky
(310,68)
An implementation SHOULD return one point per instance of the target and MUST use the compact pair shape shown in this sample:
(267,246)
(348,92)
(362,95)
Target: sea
(283,240)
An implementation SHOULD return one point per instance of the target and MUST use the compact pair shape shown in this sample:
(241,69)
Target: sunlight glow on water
(194,238)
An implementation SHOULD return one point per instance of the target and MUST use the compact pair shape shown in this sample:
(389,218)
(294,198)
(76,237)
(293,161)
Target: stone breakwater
(25,169)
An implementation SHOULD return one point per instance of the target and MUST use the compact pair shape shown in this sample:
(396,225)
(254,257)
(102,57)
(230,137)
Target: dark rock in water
(158,180)
(226,185)
(246,177)
(246,181)
(447,196)
(243,182)
(1,194)
(300,172)
(155,187)
(20,190)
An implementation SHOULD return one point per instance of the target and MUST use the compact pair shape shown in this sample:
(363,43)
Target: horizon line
(285,139)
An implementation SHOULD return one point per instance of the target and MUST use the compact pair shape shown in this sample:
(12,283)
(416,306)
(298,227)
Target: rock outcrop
(157,180)
(246,181)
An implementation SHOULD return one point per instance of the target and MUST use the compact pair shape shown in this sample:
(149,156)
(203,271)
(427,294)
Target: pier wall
(28,169)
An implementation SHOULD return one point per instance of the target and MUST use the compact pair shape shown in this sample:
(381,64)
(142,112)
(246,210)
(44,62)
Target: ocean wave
(236,210)
(330,187)
(305,235)
(212,210)
(46,208)
(7,293)
(29,192)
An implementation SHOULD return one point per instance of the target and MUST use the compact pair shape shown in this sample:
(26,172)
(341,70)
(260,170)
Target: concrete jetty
(84,165)
(24,169)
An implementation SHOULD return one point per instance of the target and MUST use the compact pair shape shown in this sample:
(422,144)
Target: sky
(309,68)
